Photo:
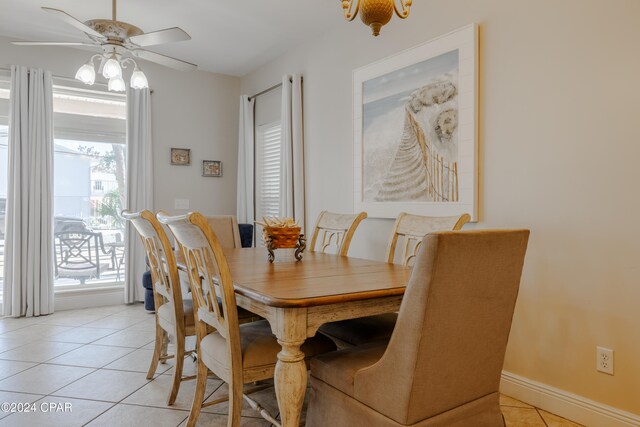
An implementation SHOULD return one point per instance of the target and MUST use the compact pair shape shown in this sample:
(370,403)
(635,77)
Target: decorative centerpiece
(282,233)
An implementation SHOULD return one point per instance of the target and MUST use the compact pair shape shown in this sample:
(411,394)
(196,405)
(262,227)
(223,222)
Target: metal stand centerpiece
(284,238)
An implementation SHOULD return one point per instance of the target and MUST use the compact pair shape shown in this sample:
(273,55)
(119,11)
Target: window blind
(268,146)
(89,115)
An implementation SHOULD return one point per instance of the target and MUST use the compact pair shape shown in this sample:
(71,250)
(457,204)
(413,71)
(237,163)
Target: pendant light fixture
(375,13)
(111,68)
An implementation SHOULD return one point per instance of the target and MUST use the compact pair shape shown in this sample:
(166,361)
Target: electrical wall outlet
(604,360)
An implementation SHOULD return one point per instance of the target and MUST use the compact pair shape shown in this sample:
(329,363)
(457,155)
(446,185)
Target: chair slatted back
(336,231)
(413,228)
(210,281)
(162,262)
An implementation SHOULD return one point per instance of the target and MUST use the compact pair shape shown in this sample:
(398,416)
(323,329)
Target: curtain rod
(68,79)
(271,88)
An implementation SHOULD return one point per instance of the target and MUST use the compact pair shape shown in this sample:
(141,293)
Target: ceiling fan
(118,41)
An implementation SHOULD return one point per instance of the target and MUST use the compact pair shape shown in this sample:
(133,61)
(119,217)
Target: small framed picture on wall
(181,156)
(212,168)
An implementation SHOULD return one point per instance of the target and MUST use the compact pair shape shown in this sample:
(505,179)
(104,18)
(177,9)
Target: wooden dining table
(298,297)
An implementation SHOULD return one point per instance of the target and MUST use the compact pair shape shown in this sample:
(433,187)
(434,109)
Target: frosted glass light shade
(116,84)
(86,74)
(111,69)
(139,80)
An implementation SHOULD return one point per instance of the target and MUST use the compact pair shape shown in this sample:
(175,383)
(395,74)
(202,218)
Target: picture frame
(180,156)
(212,168)
(415,130)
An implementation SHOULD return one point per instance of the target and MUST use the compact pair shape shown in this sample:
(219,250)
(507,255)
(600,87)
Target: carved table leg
(290,383)
(290,377)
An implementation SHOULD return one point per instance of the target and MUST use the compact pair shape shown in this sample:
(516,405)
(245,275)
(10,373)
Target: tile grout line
(42,363)
(78,379)
(94,369)
(98,369)
(81,345)
(541,417)
(121,401)
(116,330)
(49,394)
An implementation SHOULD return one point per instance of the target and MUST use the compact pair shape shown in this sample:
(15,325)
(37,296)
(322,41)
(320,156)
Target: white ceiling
(228,36)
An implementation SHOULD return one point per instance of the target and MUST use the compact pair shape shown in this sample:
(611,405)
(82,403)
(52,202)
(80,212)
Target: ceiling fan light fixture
(112,68)
(116,84)
(118,41)
(138,80)
(87,73)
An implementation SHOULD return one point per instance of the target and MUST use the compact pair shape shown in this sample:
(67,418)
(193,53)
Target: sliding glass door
(89,186)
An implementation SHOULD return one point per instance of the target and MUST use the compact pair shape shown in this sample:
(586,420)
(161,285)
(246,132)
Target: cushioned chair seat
(363,330)
(339,368)
(167,314)
(259,346)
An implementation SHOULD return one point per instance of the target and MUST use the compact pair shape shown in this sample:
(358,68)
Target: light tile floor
(95,362)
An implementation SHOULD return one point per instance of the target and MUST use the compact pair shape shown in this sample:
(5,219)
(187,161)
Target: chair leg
(165,347)
(198,396)
(177,372)
(235,404)
(157,351)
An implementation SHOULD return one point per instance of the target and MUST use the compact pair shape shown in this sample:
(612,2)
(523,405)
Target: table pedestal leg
(290,382)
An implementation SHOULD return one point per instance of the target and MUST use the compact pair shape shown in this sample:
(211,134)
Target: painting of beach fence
(415,146)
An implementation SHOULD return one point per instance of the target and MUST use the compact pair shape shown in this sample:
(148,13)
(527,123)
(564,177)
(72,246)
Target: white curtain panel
(292,183)
(245,193)
(28,279)
(139,186)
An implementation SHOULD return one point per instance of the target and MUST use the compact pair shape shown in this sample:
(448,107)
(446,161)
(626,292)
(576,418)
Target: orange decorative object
(375,13)
(282,237)
(282,233)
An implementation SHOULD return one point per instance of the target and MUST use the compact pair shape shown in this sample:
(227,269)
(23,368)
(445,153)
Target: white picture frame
(456,191)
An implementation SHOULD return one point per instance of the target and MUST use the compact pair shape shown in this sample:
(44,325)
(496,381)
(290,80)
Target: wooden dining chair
(237,354)
(173,314)
(411,228)
(227,230)
(336,231)
(443,364)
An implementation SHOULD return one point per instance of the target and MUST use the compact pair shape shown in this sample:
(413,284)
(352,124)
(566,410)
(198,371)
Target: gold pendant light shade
(375,13)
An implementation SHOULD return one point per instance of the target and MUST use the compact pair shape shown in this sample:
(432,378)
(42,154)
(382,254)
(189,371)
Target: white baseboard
(565,404)
(89,297)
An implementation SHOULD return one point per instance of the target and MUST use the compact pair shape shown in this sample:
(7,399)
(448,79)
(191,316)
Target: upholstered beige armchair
(443,363)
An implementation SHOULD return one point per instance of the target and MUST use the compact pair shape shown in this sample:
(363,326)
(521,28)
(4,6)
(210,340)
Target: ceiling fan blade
(73,21)
(53,44)
(168,35)
(167,61)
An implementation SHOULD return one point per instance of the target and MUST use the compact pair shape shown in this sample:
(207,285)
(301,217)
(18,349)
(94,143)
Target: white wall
(196,110)
(559,106)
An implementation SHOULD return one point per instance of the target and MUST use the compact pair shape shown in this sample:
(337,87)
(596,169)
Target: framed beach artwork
(416,130)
